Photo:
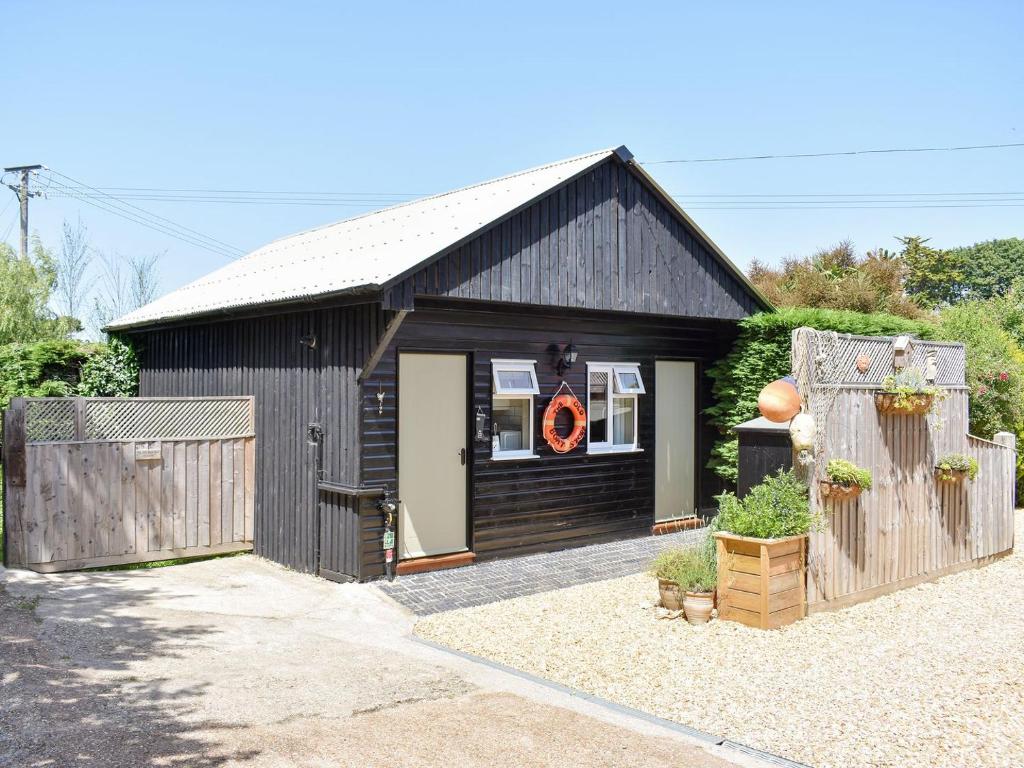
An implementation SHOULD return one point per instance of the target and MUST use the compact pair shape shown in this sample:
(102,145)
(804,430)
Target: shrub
(843,472)
(112,372)
(956,462)
(777,507)
(760,355)
(693,569)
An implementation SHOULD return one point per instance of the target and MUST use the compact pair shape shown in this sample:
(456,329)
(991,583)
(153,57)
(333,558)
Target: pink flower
(1004,376)
(982,389)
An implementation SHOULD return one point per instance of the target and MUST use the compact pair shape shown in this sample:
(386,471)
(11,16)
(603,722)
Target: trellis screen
(61,419)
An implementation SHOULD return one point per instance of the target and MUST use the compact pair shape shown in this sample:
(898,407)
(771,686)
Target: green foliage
(843,472)
(995,368)
(836,278)
(761,355)
(977,272)
(112,372)
(694,569)
(62,368)
(776,508)
(25,288)
(956,462)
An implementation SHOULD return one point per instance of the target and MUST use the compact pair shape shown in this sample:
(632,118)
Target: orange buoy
(780,400)
(579,423)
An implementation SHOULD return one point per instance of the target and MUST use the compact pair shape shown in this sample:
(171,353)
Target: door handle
(462,456)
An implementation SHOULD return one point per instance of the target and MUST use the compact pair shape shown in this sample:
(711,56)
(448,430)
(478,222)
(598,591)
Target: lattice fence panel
(51,419)
(950,360)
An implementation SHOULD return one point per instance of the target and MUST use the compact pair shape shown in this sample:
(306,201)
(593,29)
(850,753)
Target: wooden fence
(99,481)
(909,527)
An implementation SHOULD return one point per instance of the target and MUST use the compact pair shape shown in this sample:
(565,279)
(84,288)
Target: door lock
(462,456)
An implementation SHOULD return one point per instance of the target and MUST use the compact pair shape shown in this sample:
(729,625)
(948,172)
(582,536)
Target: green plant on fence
(112,372)
(775,508)
(846,473)
(909,384)
(953,463)
(693,569)
(760,355)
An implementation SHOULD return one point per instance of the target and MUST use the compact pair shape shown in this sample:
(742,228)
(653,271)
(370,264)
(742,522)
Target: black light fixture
(309,340)
(567,358)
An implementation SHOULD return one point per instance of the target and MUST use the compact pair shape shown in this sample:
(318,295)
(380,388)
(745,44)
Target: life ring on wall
(579,423)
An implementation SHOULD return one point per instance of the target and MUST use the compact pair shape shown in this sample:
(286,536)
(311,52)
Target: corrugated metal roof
(362,252)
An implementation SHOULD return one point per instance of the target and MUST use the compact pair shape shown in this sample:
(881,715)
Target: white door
(431,454)
(675,416)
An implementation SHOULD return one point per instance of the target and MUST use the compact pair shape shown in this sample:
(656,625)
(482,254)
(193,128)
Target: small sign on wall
(147,451)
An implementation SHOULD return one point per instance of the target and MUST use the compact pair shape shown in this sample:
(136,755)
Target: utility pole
(23,193)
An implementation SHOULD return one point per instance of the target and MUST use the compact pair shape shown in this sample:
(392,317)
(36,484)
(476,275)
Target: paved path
(239,662)
(489,582)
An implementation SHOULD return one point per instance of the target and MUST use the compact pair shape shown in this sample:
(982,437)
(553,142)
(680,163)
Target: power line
(132,212)
(847,153)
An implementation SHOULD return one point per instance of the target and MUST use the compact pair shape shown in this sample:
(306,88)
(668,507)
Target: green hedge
(761,355)
(64,368)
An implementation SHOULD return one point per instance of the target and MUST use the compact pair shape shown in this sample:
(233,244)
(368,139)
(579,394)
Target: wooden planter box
(951,475)
(837,492)
(761,582)
(915,405)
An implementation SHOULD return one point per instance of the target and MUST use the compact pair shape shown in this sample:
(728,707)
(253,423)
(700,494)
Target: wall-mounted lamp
(567,358)
(309,340)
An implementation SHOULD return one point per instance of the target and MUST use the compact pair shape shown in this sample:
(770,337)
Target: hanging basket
(836,492)
(895,402)
(951,476)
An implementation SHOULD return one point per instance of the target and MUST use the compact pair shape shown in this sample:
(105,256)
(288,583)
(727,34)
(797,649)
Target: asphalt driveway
(238,662)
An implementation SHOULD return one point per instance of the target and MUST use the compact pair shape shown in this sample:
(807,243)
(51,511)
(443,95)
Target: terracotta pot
(698,605)
(837,492)
(671,595)
(916,405)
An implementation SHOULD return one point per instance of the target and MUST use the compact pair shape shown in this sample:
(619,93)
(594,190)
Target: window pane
(629,380)
(598,407)
(515,379)
(511,425)
(623,421)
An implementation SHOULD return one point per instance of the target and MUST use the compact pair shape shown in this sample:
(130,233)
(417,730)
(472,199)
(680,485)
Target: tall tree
(126,283)
(72,270)
(25,289)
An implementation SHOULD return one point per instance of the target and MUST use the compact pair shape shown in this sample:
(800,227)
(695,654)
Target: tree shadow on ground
(68,696)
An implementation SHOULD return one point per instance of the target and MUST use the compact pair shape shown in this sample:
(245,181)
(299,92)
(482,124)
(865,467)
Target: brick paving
(494,580)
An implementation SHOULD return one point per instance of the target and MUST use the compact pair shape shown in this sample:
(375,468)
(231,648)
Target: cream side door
(675,416)
(432,417)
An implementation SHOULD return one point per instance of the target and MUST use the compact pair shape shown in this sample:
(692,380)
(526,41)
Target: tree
(947,277)
(25,289)
(72,270)
(836,278)
(126,284)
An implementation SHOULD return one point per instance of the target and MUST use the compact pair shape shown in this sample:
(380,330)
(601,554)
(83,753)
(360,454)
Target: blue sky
(423,97)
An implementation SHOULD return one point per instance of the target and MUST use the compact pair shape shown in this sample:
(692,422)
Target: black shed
(417,349)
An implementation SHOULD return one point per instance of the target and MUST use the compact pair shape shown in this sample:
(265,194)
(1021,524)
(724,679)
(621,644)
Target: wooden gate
(106,481)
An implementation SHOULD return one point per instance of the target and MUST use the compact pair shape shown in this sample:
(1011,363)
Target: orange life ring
(579,423)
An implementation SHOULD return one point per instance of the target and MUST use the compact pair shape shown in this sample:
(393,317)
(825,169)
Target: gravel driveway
(929,676)
(238,662)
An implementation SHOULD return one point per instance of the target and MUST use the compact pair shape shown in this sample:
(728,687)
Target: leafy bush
(761,354)
(995,368)
(112,372)
(956,462)
(843,472)
(693,569)
(776,508)
(63,368)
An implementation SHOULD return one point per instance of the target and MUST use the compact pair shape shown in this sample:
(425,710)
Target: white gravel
(929,676)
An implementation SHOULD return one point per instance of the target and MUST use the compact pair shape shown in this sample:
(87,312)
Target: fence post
(80,418)
(14,482)
(1010,441)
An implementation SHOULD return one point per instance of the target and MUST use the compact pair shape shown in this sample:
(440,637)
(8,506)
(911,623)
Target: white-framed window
(515,384)
(613,391)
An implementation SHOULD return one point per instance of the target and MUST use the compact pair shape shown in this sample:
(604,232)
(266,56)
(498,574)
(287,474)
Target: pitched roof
(367,251)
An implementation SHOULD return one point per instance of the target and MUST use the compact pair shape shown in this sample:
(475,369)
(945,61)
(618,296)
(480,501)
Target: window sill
(514,456)
(606,451)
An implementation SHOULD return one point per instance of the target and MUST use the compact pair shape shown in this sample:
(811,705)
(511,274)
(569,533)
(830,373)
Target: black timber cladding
(529,505)
(605,240)
(293,386)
